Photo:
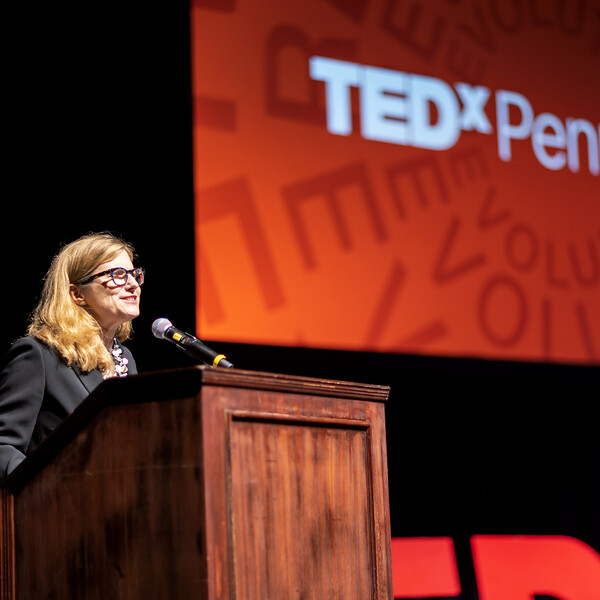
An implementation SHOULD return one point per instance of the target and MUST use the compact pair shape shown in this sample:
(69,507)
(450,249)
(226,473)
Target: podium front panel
(299,490)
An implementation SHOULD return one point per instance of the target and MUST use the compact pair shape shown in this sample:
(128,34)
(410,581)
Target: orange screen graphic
(399,176)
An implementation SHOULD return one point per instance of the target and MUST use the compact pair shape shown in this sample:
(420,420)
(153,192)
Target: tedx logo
(395,107)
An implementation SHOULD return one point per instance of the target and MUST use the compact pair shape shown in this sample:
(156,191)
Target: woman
(90,295)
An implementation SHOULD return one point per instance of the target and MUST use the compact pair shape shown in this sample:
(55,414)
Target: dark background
(99,138)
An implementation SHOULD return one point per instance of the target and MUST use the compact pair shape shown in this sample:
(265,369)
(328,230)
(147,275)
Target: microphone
(163,329)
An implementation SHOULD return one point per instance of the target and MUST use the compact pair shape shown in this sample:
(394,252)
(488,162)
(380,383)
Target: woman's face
(110,304)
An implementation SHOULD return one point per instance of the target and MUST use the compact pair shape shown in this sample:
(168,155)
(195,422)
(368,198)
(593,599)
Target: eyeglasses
(118,275)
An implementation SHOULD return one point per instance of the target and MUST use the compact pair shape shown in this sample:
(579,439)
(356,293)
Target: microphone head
(160,326)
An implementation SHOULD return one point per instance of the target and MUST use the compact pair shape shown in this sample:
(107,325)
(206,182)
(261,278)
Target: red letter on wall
(424,568)
(517,567)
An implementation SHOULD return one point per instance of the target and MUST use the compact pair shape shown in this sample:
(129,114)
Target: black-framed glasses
(118,275)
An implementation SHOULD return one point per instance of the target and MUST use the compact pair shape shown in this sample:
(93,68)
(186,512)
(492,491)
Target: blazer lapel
(91,379)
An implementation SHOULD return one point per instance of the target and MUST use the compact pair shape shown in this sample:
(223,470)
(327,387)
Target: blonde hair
(59,321)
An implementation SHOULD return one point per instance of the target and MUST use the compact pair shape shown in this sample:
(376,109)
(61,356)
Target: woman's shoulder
(30,345)
(26,340)
(24,343)
(26,353)
(29,341)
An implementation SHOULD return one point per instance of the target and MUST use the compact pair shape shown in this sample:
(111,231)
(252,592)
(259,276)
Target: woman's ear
(76,295)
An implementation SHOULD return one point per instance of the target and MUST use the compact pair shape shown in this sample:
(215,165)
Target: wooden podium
(207,484)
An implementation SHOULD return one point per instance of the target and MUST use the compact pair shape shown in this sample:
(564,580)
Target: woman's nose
(131,282)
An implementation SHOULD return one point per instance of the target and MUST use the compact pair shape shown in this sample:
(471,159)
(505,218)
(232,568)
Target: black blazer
(37,391)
